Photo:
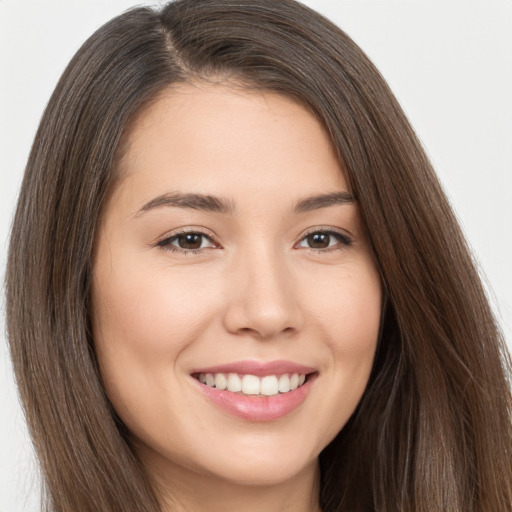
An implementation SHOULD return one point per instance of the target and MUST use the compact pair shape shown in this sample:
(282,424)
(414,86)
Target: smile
(256,391)
(268,385)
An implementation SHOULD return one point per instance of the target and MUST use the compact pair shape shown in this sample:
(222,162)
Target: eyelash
(166,243)
(344,241)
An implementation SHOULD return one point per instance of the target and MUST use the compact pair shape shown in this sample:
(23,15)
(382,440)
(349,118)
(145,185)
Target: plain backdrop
(448,61)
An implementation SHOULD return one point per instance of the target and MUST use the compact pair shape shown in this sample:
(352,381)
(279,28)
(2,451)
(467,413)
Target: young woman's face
(231,253)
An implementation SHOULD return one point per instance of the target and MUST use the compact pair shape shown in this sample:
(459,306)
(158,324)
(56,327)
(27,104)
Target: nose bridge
(262,300)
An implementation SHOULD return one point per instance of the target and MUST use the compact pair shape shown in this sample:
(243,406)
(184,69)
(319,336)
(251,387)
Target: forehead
(208,137)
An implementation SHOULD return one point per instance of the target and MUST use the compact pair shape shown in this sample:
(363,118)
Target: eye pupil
(318,240)
(190,241)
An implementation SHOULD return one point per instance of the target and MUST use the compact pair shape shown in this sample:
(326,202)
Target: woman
(186,335)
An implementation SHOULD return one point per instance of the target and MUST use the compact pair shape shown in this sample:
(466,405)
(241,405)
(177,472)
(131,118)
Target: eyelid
(346,237)
(165,241)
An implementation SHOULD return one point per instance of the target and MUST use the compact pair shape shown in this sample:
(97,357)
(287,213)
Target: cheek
(349,316)
(143,308)
(142,321)
(348,308)
(357,325)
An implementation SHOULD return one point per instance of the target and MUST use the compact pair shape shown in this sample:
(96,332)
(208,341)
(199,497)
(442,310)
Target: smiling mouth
(252,385)
(256,391)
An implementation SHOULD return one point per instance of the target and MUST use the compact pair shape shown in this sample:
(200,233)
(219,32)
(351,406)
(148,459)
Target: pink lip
(260,369)
(258,408)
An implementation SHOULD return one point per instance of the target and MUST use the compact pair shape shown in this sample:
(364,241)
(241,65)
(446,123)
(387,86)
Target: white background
(448,61)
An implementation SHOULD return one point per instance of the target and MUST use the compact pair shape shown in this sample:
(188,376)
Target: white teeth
(269,385)
(220,381)
(251,385)
(284,383)
(234,383)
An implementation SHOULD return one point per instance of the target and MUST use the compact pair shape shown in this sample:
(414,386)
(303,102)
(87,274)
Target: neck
(182,490)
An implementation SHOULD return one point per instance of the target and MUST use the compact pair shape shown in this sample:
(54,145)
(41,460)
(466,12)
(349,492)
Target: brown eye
(318,240)
(190,241)
(324,240)
(187,242)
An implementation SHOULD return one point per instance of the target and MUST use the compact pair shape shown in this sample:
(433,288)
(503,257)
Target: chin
(271,471)
(261,462)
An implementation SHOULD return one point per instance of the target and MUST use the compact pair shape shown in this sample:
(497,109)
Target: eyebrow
(323,201)
(215,204)
(193,201)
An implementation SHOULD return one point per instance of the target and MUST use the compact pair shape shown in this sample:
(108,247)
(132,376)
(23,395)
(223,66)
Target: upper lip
(258,368)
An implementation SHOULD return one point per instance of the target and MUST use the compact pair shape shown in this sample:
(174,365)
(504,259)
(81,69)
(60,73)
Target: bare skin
(276,268)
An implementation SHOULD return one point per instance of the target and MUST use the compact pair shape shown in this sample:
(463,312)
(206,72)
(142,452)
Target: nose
(262,297)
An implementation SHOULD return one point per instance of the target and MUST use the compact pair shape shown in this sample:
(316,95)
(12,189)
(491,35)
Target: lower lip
(258,408)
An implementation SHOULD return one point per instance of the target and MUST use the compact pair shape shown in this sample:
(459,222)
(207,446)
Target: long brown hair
(433,430)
